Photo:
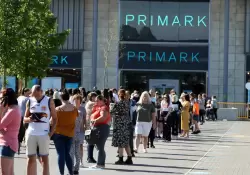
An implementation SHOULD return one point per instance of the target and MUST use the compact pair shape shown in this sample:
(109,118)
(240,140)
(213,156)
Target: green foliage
(9,25)
(34,32)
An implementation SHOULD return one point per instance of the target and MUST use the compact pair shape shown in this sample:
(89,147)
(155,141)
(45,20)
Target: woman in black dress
(121,128)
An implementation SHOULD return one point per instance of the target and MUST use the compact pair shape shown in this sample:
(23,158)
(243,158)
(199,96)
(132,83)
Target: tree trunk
(26,73)
(107,78)
(25,82)
(4,77)
(104,78)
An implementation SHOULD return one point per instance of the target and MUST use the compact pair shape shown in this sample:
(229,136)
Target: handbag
(92,136)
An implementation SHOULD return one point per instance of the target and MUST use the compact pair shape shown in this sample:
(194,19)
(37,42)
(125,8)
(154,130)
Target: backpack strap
(49,103)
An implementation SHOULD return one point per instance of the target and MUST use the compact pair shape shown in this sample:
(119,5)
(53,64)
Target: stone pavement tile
(230,155)
(177,157)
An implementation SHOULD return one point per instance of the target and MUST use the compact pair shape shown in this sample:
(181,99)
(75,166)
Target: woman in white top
(165,105)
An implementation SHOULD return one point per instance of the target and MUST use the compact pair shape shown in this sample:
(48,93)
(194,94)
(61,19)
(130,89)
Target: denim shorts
(195,117)
(6,151)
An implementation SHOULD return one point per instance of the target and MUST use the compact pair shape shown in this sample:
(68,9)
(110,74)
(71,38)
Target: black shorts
(195,117)
(202,112)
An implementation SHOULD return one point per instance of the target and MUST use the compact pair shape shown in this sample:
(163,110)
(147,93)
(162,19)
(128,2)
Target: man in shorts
(39,109)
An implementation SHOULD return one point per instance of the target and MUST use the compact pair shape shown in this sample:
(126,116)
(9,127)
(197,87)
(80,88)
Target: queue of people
(38,117)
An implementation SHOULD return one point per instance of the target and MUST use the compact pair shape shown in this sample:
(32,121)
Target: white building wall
(107,23)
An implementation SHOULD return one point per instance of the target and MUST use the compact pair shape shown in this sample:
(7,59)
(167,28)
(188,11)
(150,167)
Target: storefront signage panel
(158,56)
(164,21)
(67,60)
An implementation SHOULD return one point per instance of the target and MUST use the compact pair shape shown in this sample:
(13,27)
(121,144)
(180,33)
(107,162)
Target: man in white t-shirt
(39,109)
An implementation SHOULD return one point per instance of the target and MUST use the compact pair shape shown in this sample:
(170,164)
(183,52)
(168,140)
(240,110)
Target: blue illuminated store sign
(67,60)
(164,21)
(187,20)
(61,60)
(181,57)
(165,57)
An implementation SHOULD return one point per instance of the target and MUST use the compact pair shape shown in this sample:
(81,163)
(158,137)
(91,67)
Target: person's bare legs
(12,167)
(7,166)
(183,134)
(128,151)
(159,129)
(40,160)
(45,164)
(120,152)
(145,143)
(196,125)
(137,141)
(31,165)
(187,134)
(81,152)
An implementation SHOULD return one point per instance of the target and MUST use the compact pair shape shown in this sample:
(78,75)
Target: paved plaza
(221,149)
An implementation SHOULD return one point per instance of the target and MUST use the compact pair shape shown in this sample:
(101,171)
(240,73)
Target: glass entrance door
(164,85)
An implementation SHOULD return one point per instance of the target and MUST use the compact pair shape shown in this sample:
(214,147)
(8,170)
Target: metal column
(226,40)
(94,42)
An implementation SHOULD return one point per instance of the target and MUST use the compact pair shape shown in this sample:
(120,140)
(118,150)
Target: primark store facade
(198,46)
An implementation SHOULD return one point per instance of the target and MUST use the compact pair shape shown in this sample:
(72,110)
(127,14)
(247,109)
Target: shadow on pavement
(160,166)
(171,154)
(166,158)
(191,150)
(143,171)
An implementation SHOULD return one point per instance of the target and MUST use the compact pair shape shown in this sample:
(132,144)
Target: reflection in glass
(139,80)
(164,21)
(68,75)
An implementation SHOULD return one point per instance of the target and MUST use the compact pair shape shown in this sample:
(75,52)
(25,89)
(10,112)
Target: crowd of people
(64,116)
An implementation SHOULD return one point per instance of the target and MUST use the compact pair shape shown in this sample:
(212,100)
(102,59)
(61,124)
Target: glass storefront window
(164,21)
(67,75)
(143,80)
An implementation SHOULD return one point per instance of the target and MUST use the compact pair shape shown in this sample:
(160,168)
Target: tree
(111,37)
(9,41)
(39,39)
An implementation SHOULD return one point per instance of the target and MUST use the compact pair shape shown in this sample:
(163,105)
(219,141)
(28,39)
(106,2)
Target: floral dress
(121,124)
